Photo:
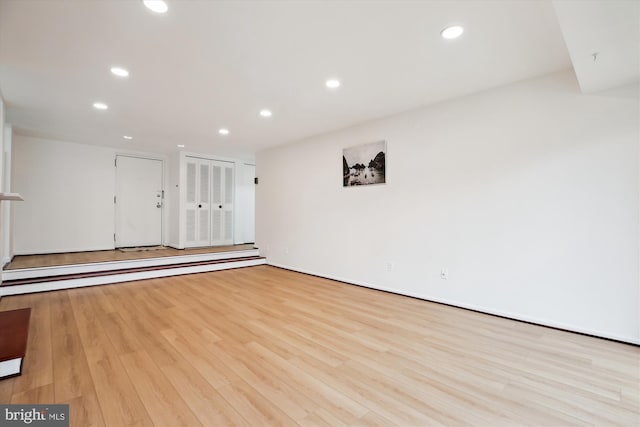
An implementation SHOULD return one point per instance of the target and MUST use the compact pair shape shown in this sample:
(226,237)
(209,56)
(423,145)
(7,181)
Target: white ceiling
(211,64)
(610,30)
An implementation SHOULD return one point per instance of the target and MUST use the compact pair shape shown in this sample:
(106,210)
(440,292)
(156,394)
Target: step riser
(36,272)
(124,277)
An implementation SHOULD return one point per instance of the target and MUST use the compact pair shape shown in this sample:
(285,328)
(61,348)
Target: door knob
(199,206)
(159,205)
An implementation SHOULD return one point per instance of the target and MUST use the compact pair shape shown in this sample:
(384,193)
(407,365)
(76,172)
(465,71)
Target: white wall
(245,203)
(173,193)
(7,211)
(68,190)
(527,194)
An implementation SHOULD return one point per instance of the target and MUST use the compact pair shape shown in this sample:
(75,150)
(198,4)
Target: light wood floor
(264,346)
(69,258)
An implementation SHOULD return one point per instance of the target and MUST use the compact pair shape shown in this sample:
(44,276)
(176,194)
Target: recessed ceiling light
(119,71)
(332,84)
(452,32)
(223,131)
(128,138)
(100,105)
(180,145)
(158,6)
(266,113)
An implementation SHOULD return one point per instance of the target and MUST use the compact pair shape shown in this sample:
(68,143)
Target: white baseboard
(510,315)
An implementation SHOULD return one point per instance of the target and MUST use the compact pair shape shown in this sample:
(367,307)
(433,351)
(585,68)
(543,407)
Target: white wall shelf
(11,196)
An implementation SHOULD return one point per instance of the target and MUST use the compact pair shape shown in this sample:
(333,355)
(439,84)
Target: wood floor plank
(153,343)
(164,404)
(371,419)
(118,330)
(84,411)
(364,394)
(119,401)
(72,380)
(37,395)
(289,345)
(249,404)
(117,397)
(197,355)
(323,418)
(264,346)
(255,406)
(71,372)
(272,394)
(6,391)
(321,395)
(203,399)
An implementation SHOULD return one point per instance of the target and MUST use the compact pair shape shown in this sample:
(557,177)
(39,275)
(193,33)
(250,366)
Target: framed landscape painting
(364,164)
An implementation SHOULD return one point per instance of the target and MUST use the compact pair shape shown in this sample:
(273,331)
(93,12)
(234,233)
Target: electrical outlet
(389,266)
(444,273)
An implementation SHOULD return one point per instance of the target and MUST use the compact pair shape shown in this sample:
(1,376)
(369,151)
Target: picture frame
(364,164)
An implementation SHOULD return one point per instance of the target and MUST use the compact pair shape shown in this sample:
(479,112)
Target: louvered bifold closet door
(198,202)
(209,202)
(191,206)
(216,213)
(204,204)
(228,204)
(222,213)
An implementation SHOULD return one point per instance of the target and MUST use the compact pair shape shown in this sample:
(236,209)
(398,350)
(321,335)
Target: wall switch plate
(444,273)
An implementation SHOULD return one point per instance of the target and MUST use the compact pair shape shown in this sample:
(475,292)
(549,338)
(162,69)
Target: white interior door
(222,203)
(198,202)
(203,237)
(191,201)
(208,202)
(139,202)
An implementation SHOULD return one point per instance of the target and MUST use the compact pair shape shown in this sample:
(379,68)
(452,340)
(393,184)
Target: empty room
(320,213)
